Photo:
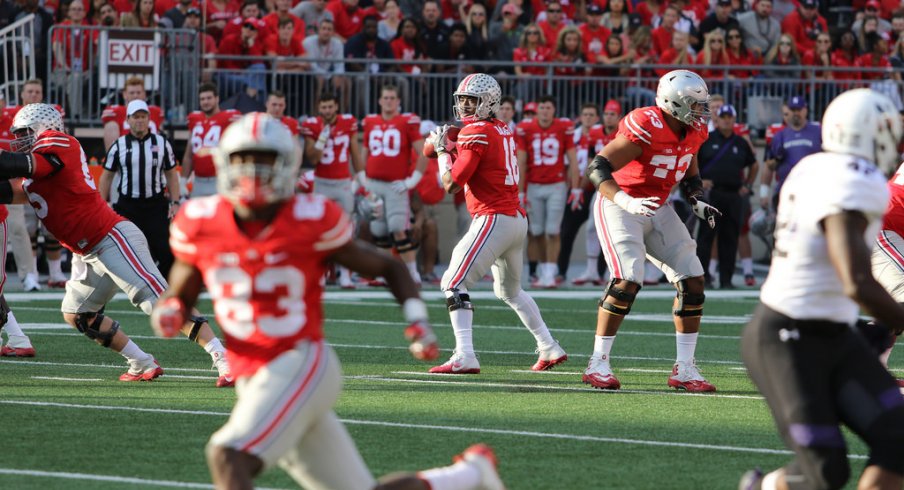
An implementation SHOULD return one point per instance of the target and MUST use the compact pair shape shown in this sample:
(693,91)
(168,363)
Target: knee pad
(689,304)
(406,244)
(619,294)
(197,322)
(89,324)
(459,301)
(51,244)
(384,242)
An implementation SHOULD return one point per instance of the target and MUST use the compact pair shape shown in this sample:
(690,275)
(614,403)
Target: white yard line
(107,366)
(578,373)
(457,429)
(60,378)
(106,478)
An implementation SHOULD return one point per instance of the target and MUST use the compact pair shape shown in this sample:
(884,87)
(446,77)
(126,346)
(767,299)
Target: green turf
(549,430)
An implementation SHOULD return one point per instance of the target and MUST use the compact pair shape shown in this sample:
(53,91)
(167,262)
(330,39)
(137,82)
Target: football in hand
(451,136)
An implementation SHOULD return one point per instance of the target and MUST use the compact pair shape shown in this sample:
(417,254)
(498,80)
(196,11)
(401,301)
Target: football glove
(320,144)
(645,206)
(705,212)
(438,138)
(576,199)
(168,317)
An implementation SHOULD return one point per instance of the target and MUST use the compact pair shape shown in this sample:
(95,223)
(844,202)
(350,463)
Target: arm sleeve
(465,165)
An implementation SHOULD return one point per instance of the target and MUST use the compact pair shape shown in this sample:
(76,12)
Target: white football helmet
(864,123)
(35,118)
(683,94)
(488,94)
(257,184)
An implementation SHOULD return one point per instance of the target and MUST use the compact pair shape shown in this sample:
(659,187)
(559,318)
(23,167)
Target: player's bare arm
(522,168)
(187,163)
(613,157)
(105,184)
(311,152)
(850,257)
(574,173)
(111,134)
(354,152)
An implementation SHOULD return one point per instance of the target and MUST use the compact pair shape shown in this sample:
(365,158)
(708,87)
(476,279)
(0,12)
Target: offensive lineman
(48,169)
(656,148)
(265,283)
(888,254)
(815,371)
(487,169)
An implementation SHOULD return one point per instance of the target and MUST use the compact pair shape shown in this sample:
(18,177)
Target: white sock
(770,481)
(883,357)
(602,345)
(412,269)
(551,270)
(713,267)
(526,309)
(462,320)
(686,344)
(591,268)
(460,476)
(214,347)
(12,326)
(55,268)
(133,353)
(747,265)
(345,276)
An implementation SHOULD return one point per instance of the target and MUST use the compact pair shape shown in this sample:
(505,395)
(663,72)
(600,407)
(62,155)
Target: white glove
(576,199)
(645,206)
(320,144)
(705,212)
(359,181)
(403,186)
(438,138)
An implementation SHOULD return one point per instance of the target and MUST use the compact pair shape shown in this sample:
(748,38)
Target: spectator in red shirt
(553,23)
(651,12)
(593,34)
(821,56)
(219,13)
(285,44)
(616,17)
(244,73)
(876,57)
(274,19)
(678,54)
(408,45)
(250,9)
(739,55)
(347,17)
(804,24)
(532,49)
(662,35)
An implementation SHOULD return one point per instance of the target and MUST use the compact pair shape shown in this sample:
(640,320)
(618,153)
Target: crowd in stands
(602,37)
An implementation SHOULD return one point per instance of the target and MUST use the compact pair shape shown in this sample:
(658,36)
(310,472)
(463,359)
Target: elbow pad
(13,165)
(692,187)
(599,170)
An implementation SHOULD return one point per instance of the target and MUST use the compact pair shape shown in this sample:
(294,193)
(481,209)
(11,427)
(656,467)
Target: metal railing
(88,66)
(17,57)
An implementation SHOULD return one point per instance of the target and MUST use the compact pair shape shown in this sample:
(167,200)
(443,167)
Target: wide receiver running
(487,170)
(261,251)
(816,371)
(656,148)
(49,170)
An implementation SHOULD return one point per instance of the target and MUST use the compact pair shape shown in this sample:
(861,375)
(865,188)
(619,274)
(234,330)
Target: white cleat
(550,358)
(599,375)
(458,364)
(30,283)
(484,459)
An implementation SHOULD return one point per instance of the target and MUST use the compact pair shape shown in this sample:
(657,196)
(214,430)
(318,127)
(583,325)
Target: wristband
(415,310)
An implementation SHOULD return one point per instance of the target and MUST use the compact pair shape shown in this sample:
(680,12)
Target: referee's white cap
(137,105)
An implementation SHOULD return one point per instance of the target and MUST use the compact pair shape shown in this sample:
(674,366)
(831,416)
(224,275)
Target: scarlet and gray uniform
(629,239)
(546,171)
(487,169)
(389,143)
(888,255)
(332,174)
(267,297)
(111,253)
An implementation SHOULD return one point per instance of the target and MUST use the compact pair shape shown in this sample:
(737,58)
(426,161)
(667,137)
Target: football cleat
(458,364)
(749,280)
(549,358)
(7,351)
(686,376)
(599,375)
(56,284)
(483,458)
(423,341)
(587,278)
(751,480)
(30,283)
(224,378)
(147,373)
(225,381)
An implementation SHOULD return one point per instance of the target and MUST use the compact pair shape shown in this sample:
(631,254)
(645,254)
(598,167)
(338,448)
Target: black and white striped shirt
(141,163)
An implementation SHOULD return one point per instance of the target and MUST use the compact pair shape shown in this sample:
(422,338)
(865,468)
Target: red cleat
(749,280)
(900,383)
(458,364)
(56,284)
(7,351)
(225,381)
(599,375)
(484,459)
(549,358)
(148,374)
(686,376)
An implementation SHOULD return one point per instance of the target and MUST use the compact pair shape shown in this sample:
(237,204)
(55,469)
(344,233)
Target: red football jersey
(430,187)
(292,124)
(894,214)
(771,131)
(664,160)
(545,149)
(599,138)
(487,168)
(6,122)
(389,144)
(205,133)
(117,114)
(266,289)
(336,158)
(66,198)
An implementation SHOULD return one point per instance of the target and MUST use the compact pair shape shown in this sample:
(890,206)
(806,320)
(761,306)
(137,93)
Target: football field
(67,422)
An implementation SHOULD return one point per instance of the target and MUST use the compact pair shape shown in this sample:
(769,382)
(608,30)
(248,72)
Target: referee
(148,168)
